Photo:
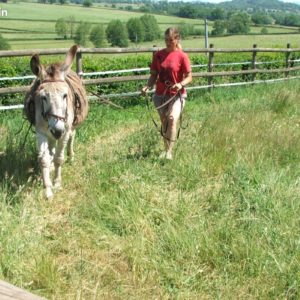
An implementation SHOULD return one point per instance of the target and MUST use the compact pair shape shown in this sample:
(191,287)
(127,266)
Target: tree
(279,17)
(217,14)
(71,25)
(218,28)
(187,11)
(264,30)
(238,23)
(87,3)
(136,30)
(144,9)
(261,18)
(152,31)
(97,36)
(4,45)
(117,34)
(185,30)
(292,20)
(82,33)
(61,28)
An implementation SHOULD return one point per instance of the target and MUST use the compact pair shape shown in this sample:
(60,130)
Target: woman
(171,71)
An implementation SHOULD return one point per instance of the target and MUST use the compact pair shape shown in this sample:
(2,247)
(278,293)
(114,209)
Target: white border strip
(11,107)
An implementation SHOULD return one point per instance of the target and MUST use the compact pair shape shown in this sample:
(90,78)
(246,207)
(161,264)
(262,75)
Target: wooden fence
(210,74)
(11,292)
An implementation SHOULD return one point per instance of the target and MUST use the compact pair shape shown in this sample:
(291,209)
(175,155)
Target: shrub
(82,32)
(117,34)
(152,31)
(136,30)
(97,36)
(4,45)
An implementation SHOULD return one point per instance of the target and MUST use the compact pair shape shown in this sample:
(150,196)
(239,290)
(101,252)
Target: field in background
(30,26)
(238,41)
(220,221)
(267,41)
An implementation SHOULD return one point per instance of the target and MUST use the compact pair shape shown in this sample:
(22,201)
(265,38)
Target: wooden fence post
(254,61)
(79,64)
(210,64)
(287,59)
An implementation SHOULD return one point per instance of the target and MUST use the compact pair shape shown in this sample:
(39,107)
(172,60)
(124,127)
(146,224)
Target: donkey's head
(53,98)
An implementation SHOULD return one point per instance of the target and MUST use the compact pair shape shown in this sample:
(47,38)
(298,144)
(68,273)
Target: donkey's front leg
(59,159)
(70,146)
(45,160)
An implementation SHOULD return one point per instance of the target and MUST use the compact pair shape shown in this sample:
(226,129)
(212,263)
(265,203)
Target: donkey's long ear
(36,66)
(66,66)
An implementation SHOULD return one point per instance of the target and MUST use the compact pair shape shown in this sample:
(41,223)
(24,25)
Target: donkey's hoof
(52,167)
(57,185)
(49,194)
(70,159)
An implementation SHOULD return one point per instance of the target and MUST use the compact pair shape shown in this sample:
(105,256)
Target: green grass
(38,24)
(234,42)
(266,41)
(238,41)
(221,221)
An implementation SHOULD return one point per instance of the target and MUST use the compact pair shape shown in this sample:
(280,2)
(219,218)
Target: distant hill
(259,5)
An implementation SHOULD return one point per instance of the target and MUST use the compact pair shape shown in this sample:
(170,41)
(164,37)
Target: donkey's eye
(65,96)
(43,98)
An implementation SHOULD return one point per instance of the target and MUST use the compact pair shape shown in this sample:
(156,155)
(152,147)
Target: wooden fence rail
(14,53)
(209,74)
(11,292)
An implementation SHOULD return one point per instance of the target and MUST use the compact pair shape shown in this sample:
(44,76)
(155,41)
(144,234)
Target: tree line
(258,15)
(145,28)
(116,33)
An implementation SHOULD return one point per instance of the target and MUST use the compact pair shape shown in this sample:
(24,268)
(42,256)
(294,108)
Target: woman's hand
(144,90)
(177,86)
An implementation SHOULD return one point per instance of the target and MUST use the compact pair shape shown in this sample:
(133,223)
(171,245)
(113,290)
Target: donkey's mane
(53,71)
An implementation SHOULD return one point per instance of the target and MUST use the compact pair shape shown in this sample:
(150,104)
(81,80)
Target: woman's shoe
(169,156)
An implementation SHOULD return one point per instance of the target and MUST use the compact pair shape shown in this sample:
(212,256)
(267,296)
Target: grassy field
(238,41)
(32,26)
(37,21)
(221,221)
(234,42)
(267,41)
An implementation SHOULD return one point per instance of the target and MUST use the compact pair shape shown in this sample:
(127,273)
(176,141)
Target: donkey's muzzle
(57,127)
(57,133)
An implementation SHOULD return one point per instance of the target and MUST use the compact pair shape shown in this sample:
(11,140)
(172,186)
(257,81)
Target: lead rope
(163,134)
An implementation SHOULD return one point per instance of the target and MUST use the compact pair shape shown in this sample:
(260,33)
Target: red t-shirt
(170,67)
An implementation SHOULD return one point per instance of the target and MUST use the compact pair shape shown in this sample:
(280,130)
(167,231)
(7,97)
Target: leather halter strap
(46,115)
(64,119)
(52,80)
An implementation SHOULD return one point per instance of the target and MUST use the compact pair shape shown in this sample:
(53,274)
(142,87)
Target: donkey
(55,104)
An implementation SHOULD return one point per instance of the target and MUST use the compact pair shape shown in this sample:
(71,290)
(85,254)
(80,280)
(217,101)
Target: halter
(46,115)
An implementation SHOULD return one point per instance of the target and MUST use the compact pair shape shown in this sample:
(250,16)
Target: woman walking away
(171,71)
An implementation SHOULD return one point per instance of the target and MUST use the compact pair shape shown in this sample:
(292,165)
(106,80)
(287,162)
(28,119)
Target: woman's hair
(173,33)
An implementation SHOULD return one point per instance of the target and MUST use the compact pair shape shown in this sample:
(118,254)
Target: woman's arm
(151,81)
(187,78)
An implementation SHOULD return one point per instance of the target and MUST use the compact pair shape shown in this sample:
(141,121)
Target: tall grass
(219,221)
